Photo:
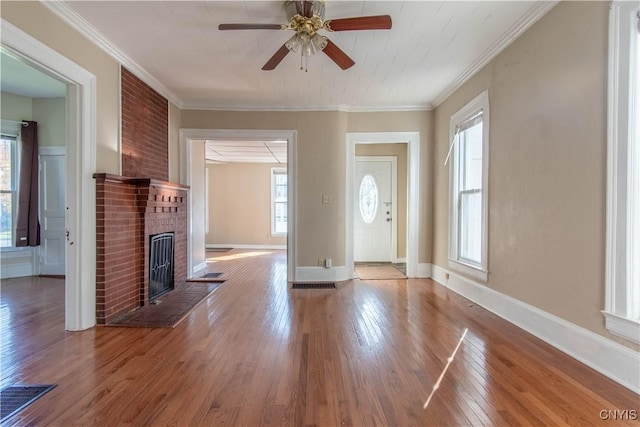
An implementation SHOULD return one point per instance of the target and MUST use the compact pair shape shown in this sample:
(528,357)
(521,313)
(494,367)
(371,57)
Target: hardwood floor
(259,353)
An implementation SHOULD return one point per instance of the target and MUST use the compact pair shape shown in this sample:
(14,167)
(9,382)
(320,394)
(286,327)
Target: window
(622,275)
(8,176)
(278,201)
(368,199)
(468,209)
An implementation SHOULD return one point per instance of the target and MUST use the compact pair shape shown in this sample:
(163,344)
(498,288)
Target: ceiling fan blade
(379,22)
(276,58)
(337,55)
(251,27)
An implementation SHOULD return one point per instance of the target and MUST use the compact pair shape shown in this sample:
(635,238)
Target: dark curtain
(27,225)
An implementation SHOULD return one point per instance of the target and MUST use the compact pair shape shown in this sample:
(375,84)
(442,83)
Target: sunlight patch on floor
(236,256)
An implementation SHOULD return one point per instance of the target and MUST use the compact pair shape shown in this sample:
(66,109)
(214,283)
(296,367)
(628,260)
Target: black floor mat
(17,397)
(210,275)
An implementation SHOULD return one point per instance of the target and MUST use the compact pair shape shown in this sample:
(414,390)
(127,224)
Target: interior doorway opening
(380,144)
(79,240)
(220,164)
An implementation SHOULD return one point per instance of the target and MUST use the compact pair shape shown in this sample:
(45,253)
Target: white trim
(80,288)
(339,108)
(321,274)
(244,246)
(393,256)
(622,326)
(479,104)
(469,270)
(199,269)
(619,288)
(188,137)
(51,150)
(616,361)
(412,139)
(537,11)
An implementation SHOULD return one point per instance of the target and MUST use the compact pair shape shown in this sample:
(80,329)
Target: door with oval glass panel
(373,209)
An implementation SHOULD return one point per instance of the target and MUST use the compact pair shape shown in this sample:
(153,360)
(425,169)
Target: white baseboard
(198,269)
(18,262)
(616,361)
(234,246)
(321,274)
(424,270)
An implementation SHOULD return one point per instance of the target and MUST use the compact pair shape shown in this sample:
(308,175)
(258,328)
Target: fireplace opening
(160,265)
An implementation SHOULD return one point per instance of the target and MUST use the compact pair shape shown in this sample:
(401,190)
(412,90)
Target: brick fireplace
(130,211)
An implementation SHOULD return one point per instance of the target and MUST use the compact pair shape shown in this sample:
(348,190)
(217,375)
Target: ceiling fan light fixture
(318,8)
(320,42)
(293,44)
(307,49)
(290,9)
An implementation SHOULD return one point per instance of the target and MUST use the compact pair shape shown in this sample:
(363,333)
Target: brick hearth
(128,211)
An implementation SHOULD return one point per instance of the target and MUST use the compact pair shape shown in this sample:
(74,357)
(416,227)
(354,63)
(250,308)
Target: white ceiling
(223,151)
(18,78)
(176,47)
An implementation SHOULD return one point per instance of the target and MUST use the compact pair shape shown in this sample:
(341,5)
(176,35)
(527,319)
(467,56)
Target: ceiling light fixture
(306,38)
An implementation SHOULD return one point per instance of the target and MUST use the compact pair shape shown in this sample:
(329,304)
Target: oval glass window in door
(368,199)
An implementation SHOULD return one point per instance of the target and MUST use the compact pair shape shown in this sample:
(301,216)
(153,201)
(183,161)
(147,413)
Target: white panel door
(52,215)
(372,210)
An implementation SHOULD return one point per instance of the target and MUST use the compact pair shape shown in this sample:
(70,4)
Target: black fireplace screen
(160,265)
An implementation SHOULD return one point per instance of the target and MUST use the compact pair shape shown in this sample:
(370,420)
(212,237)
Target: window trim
(621,318)
(277,171)
(466,113)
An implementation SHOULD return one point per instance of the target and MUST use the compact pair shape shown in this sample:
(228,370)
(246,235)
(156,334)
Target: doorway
(80,299)
(192,148)
(375,221)
(412,142)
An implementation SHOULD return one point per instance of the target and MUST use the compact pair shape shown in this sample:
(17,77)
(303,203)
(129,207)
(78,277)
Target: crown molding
(339,108)
(537,11)
(68,15)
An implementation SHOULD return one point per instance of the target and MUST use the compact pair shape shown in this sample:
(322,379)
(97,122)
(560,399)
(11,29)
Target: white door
(373,210)
(52,215)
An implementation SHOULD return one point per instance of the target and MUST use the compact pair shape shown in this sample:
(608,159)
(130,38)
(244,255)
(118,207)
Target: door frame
(412,139)
(393,255)
(190,171)
(80,282)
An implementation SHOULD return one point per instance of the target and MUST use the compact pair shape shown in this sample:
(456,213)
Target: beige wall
(400,152)
(321,168)
(547,173)
(51,115)
(15,107)
(36,20)
(240,204)
(175,117)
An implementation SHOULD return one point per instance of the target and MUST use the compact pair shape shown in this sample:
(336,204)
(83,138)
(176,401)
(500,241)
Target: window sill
(623,327)
(469,270)
(278,234)
(12,249)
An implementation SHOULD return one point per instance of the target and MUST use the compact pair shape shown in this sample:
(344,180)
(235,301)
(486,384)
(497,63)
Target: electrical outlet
(320,262)
(327,263)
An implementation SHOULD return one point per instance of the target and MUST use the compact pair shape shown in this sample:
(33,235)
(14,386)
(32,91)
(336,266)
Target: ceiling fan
(306,18)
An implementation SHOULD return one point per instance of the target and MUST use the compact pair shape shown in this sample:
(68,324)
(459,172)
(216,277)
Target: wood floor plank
(256,352)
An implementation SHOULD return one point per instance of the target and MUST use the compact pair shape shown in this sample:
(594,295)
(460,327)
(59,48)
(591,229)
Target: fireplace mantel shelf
(139,181)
